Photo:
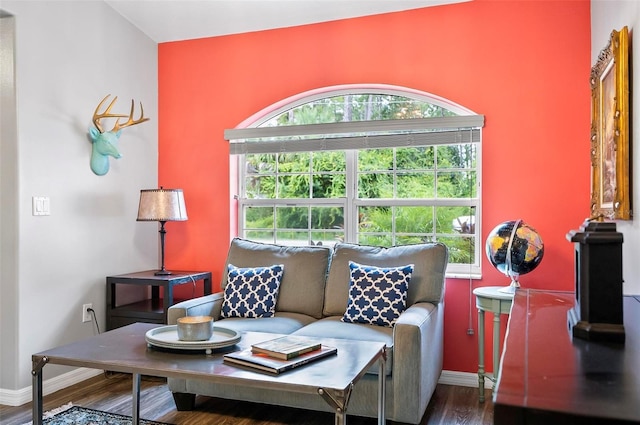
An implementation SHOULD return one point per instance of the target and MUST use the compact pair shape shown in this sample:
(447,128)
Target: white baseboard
(462,379)
(22,396)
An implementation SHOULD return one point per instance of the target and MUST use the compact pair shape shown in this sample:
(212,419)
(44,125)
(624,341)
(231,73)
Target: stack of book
(280,354)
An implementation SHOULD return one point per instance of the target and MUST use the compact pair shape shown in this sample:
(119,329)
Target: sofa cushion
(303,280)
(251,291)
(377,295)
(427,279)
(279,323)
(334,327)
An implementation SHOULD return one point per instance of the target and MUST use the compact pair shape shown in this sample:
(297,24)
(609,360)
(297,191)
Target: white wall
(606,16)
(8,195)
(68,56)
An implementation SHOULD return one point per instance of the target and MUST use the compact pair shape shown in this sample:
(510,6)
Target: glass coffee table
(126,350)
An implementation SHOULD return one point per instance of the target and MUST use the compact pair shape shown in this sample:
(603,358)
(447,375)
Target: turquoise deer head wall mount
(103,143)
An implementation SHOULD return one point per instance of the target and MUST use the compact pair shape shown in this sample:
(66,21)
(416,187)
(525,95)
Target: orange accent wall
(523,64)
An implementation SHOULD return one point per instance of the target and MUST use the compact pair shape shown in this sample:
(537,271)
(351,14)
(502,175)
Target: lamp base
(162,273)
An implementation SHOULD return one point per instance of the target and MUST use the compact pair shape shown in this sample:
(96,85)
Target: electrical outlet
(86,315)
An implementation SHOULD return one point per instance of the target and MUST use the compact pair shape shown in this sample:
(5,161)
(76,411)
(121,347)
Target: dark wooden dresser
(549,377)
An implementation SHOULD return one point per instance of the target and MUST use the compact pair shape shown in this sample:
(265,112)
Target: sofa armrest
(208,305)
(418,341)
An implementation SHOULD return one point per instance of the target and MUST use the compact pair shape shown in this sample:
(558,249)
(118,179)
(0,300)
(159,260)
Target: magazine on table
(273,365)
(286,347)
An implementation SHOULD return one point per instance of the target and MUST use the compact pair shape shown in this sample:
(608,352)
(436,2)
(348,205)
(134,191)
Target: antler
(107,114)
(131,121)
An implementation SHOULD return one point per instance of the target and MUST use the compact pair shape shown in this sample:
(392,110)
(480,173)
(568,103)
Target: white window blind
(356,135)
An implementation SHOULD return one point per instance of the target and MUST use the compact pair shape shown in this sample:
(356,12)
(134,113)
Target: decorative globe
(514,248)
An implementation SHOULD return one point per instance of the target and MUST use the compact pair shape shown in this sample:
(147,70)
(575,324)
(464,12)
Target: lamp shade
(162,205)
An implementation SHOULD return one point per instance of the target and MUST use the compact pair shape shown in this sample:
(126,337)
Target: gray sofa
(312,298)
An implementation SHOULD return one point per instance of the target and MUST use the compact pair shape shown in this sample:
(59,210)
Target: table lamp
(162,205)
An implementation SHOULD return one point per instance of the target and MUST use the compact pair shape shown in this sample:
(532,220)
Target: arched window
(374,165)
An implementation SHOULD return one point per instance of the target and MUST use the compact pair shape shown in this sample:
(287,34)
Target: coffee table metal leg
(382,391)
(36,389)
(135,414)
(339,401)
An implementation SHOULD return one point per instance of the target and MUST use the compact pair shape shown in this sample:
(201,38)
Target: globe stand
(511,289)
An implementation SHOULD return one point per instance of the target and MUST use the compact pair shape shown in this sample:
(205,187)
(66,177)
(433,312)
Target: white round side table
(493,300)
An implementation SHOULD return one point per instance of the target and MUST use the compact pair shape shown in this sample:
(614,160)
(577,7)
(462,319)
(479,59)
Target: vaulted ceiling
(173,20)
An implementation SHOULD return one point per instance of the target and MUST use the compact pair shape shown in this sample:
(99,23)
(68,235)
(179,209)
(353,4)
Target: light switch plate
(41,205)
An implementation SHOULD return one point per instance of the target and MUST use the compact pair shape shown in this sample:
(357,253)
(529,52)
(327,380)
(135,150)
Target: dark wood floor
(449,405)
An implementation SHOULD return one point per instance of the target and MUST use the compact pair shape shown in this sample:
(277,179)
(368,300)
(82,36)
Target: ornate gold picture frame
(610,147)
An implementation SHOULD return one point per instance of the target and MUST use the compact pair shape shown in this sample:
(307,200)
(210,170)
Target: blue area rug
(83,416)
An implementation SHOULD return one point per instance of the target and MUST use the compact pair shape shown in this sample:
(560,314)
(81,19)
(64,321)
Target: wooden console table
(549,377)
(154,309)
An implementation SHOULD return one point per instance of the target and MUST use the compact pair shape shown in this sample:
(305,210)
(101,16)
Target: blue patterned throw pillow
(251,292)
(377,295)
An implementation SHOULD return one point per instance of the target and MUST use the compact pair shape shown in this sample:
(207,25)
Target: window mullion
(310,171)
(351,210)
(442,202)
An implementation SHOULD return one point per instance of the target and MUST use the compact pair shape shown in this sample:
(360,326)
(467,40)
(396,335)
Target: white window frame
(241,143)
